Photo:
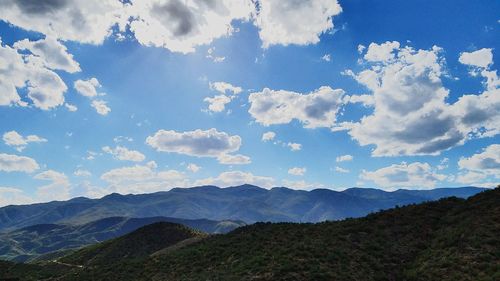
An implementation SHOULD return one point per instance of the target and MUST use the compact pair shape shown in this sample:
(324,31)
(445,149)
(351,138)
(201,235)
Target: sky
(139,96)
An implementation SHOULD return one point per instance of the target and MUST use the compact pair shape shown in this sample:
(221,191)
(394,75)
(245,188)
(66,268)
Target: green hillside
(450,239)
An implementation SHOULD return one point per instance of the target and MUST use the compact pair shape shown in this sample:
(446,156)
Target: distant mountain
(247,203)
(54,240)
(448,240)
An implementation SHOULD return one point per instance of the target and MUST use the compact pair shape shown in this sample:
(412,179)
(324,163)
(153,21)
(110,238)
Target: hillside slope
(451,239)
(53,240)
(247,203)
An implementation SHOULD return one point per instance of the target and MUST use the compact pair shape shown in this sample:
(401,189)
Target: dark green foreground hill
(450,239)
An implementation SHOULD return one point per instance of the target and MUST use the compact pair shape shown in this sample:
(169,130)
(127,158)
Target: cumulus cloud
(234,178)
(327,57)
(143,178)
(236,159)
(411,115)
(297,171)
(70,107)
(344,158)
(294,22)
(208,143)
(123,153)
(480,58)
(225,88)
(294,146)
(193,167)
(32,72)
(53,54)
(316,109)
(14,139)
(57,189)
(180,26)
(86,21)
(227,94)
(14,163)
(415,175)
(13,196)
(302,185)
(217,103)
(268,136)
(480,167)
(82,173)
(100,107)
(87,88)
(341,170)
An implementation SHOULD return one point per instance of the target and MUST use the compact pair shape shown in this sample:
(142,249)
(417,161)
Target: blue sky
(148,95)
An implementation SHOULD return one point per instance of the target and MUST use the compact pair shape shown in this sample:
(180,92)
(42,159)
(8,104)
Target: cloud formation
(410,113)
(415,175)
(123,153)
(294,22)
(15,163)
(235,178)
(199,143)
(33,72)
(316,109)
(14,139)
(57,189)
(297,171)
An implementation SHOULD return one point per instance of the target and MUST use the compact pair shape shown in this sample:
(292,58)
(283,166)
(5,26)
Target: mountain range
(449,239)
(246,203)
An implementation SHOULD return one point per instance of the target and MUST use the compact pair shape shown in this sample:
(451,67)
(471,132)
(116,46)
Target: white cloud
(13,196)
(82,173)
(20,71)
(225,88)
(294,146)
(316,109)
(301,185)
(297,171)
(180,26)
(480,167)
(217,103)
(193,167)
(53,54)
(268,136)
(14,139)
(234,178)
(208,143)
(140,179)
(213,57)
(381,53)
(294,22)
(327,57)
(123,153)
(480,58)
(344,158)
(71,107)
(100,107)
(57,189)
(236,159)
(14,163)
(341,170)
(118,139)
(411,115)
(415,175)
(87,88)
(86,21)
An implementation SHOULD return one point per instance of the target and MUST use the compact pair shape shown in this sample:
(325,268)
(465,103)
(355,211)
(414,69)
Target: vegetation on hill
(450,239)
(49,241)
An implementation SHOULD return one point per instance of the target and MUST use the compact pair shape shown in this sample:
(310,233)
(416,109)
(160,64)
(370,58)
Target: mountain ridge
(246,203)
